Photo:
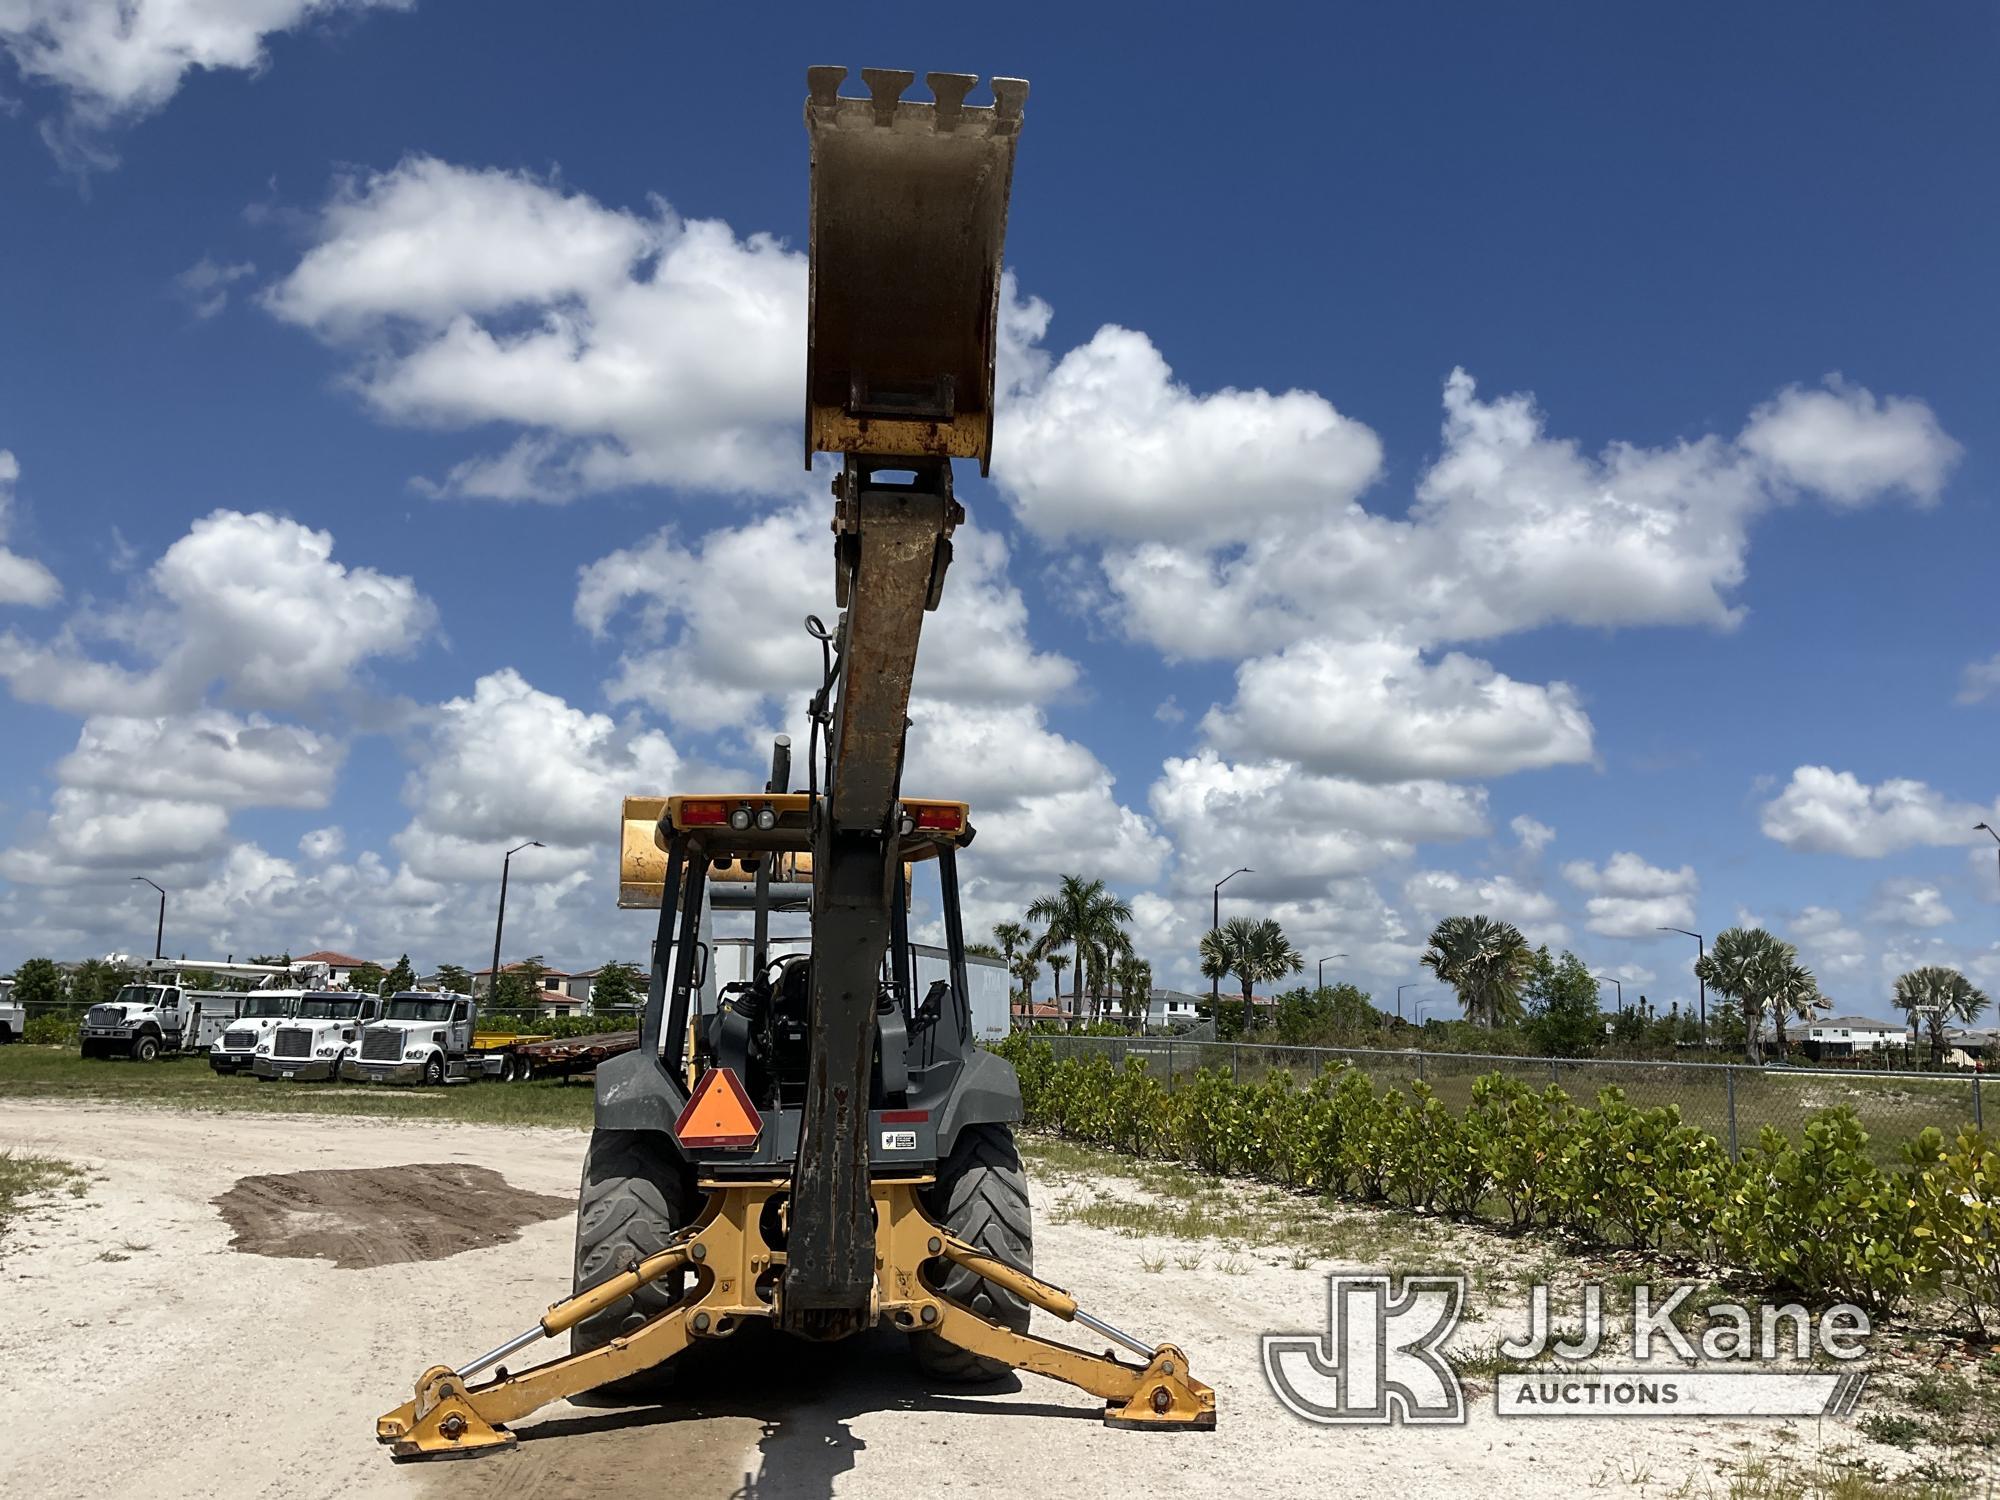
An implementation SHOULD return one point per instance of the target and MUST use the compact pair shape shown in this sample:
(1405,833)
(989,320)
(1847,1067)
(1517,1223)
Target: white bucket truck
(157,1013)
(13,1014)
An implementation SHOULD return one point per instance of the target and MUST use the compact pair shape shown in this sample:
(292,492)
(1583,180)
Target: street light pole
(1399,996)
(1701,952)
(1621,990)
(500,918)
(1322,969)
(160,930)
(1977,827)
(1214,923)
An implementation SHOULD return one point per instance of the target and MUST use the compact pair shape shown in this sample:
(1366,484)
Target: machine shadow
(803,1396)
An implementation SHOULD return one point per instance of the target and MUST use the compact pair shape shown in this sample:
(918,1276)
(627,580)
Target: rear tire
(145,1048)
(981,1195)
(635,1196)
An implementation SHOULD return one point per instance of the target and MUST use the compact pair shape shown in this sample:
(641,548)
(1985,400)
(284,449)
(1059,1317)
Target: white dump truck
(321,1032)
(235,1051)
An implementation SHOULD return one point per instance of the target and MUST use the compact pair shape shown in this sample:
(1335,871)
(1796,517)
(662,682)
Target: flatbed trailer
(551,1057)
(515,1057)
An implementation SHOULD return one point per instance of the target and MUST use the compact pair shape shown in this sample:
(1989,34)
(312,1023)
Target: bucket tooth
(949,89)
(885,90)
(823,84)
(1009,95)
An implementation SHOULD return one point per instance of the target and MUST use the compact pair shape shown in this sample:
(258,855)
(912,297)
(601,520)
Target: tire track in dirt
(381,1216)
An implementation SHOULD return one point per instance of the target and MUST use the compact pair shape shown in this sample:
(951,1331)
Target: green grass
(22,1176)
(188,1083)
(1780,1479)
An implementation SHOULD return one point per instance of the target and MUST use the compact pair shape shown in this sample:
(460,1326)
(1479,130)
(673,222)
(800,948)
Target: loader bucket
(909,213)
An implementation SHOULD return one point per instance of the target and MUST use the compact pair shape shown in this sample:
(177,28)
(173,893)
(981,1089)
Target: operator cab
(745,861)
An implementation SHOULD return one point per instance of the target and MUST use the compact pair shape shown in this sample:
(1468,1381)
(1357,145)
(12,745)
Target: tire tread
(981,1195)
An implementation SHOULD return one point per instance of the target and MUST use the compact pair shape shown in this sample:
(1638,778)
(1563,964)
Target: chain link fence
(1731,1101)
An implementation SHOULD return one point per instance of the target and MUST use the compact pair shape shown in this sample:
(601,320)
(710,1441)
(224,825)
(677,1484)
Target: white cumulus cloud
(118,61)
(22,579)
(253,602)
(1299,831)
(1533,834)
(510,763)
(1442,893)
(1980,680)
(626,348)
(1629,898)
(1107,442)
(1843,442)
(1378,711)
(322,844)
(1910,903)
(1824,811)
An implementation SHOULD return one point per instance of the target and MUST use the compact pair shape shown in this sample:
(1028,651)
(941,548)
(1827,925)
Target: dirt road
(156,1343)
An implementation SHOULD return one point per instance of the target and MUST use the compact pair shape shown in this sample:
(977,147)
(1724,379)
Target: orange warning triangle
(720,1115)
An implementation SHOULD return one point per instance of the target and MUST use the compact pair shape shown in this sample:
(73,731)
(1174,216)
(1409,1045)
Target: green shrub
(1818,1219)
(1639,1178)
(1957,1192)
(526,1023)
(1209,1124)
(1526,1142)
(1822,1219)
(54,1030)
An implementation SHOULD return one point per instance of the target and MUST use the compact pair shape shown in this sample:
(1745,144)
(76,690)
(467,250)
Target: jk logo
(1378,1359)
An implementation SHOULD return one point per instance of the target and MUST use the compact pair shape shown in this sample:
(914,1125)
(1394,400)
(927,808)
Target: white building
(1842,1036)
(1171,1008)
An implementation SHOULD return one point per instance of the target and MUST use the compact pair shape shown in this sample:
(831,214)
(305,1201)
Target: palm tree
(1083,915)
(1790,990)
(1742,964)
(1938,995)
(1134,978)
(1011,937)
(1025,969)
(1486,961)
(1057,962)
(1107,957)
(1255,952)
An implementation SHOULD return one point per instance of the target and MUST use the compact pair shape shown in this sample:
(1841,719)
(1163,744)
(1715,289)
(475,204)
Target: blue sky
(401,409)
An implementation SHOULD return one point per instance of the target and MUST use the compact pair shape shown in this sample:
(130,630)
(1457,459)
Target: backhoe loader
(818,1147)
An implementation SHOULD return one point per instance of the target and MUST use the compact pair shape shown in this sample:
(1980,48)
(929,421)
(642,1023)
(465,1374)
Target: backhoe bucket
(909,213)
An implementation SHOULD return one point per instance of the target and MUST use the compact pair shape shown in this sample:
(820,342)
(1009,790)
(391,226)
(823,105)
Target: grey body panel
(635,1092)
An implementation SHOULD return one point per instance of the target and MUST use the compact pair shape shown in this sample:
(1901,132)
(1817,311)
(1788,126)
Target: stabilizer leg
(1157,1394)
(450,1418)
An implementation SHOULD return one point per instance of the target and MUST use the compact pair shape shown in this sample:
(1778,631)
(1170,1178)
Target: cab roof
(709,822)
